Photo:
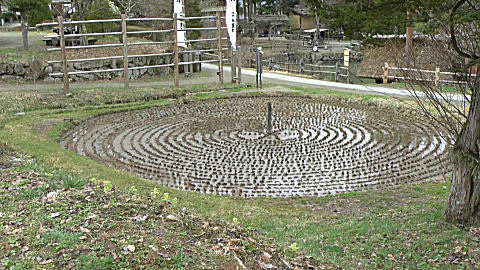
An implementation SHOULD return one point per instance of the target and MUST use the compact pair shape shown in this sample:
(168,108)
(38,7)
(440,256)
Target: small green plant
(166,197)
(293,247)
(91,261)
(93,180)
(31,193)
(71,181)
(133,189)
(235,220)
(107,187)
(154,193)
(174,200)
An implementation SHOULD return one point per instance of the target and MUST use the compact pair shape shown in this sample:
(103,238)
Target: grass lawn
(398,228)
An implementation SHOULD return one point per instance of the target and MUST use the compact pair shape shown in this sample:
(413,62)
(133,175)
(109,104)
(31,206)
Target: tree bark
(464,198)
(409,34)
(24,23)
(250,10)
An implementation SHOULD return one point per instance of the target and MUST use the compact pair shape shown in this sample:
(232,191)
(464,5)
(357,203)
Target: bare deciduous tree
(458,112)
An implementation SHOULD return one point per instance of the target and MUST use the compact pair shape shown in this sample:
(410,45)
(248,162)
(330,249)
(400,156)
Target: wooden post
(437,76)
(269,118)
(125,52)
(239,64)
(348,75)
(385,73)
(219,45)
(336,72)
(66,82)
(190,59)
(232,64)
(175,51)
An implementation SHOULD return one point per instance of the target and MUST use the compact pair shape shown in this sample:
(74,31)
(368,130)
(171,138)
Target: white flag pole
(231,21)
(178,8)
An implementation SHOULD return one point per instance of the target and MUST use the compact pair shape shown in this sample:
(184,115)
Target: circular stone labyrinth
(317,147)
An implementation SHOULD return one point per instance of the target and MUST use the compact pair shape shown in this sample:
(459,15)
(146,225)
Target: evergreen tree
(26,8)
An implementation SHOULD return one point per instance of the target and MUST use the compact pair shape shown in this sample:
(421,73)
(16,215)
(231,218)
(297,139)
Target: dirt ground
(14,39)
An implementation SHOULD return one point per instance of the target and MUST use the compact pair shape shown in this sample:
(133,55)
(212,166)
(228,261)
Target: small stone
(49,79)
(21,114)
(18,69)
(265,256)
(25,249)
(140,218)
(129,248)
(46,262)
(171,218)
(54,215)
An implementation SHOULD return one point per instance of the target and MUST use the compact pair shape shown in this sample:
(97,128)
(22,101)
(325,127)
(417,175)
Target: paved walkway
(248,75)
(208,75)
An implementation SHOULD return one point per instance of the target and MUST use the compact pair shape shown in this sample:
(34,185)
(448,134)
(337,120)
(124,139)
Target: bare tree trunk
(24,22)
(83,30)
(250,10)
(464,198)
(409,35)
(244,3)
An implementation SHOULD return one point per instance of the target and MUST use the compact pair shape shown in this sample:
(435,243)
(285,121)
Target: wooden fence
(337,71)
(194,57)
(436,76)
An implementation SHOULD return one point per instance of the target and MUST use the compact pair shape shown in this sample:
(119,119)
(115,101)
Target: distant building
(61,8)
(266,25)
(302,18)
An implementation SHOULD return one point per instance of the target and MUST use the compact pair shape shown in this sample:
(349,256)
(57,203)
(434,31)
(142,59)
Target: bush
(102,9)
(38,15)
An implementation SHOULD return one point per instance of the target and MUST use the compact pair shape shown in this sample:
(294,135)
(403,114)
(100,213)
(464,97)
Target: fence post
(348,75)
(233,69)
(189,58)
(385,73)
(239,63)
(66,82)
(336,72)
(125,51)
(219,45)
(437,76)
(175,51)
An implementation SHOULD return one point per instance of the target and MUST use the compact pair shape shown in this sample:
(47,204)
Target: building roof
(275,20)
(301,10)
(213,9)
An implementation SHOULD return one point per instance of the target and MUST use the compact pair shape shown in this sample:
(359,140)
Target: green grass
(87,228)
(401,227)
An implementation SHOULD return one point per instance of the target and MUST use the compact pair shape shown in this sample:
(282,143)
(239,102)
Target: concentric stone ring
(317,147)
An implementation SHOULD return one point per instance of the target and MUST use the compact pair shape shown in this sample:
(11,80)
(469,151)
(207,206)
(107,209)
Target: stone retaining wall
(315,58)
(38,71)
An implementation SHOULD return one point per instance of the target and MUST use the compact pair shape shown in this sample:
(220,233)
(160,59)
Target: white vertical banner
(231,20)
(181,33)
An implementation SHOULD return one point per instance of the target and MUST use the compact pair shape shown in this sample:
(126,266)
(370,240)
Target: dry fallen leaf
(129,248)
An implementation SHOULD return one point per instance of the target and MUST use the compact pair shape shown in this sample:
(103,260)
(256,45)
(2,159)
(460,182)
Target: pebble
(171,218)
